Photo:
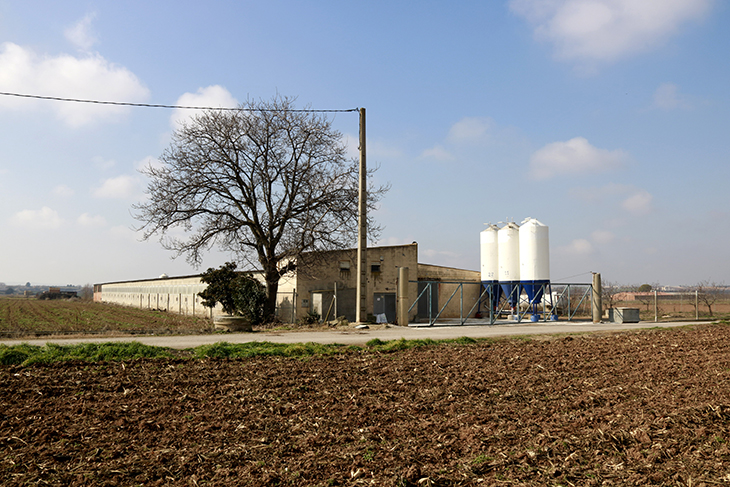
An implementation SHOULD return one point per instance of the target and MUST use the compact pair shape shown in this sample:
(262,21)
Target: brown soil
(644,408)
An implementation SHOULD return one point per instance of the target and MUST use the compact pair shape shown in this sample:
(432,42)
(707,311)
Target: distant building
(313,286)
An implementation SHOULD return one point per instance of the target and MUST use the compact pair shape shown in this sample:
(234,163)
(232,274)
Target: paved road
(358,337)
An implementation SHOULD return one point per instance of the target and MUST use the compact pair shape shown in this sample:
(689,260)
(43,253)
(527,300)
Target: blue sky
(607,120)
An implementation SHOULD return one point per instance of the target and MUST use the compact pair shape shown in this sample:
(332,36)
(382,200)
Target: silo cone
(508,240)
(534,261)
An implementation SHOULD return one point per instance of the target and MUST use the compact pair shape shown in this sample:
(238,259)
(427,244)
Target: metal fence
(668,305)
(487,303)
(286,309)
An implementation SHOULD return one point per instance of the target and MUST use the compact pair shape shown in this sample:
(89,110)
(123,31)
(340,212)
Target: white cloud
(87,77)
(63,191)
(124,186)
(438,153)
(86,220)
(575,156)
(45,218)
(471,130)
(638,203)
(667,97)
(579,246)
(210,96)
(607,30)
(602,236)
(80,34)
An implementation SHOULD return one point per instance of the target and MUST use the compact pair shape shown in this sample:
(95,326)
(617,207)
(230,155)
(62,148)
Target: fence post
(294,305)
(656,310)
(402,316)
(596,298)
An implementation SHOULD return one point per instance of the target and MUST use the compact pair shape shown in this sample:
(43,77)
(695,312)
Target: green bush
(249,297)
(220,287)
(238,294)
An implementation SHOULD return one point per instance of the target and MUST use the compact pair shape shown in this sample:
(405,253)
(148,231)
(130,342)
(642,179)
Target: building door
(317,303)
(384,304)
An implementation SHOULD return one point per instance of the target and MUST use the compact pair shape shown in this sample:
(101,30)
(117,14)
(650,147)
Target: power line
(151,105)
(571,277)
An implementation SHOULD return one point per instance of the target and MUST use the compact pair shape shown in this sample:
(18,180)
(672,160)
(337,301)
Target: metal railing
(487,303)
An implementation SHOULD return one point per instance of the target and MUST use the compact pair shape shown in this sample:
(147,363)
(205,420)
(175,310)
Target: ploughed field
(30,316)
(637,408)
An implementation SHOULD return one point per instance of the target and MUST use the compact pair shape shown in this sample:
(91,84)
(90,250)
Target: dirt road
(356,337)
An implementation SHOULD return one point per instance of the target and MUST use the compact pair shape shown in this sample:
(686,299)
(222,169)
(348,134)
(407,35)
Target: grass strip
(254,349)
(25,354)
(49,353)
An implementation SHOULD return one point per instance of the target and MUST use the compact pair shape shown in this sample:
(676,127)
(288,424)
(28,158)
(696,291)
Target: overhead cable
(151,105)
(571,277)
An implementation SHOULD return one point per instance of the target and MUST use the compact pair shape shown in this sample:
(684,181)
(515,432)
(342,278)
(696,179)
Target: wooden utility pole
(362,239)
(403,300)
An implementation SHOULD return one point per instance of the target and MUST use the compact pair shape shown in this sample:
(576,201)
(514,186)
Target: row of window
(182,289)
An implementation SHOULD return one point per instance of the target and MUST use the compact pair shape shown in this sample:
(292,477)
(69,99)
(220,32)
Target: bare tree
(266,183)
(609,292)
(645,295)
(87,292)
(707,293)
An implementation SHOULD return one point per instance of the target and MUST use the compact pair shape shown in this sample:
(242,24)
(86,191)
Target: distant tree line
(85,292)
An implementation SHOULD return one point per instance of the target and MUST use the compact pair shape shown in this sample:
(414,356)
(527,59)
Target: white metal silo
(508,239)
(489,253)
(489,250)
(534,259)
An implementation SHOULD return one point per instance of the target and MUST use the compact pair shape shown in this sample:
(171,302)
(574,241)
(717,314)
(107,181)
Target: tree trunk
(272,288)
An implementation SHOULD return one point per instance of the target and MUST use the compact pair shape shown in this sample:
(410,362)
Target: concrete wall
(321,273)
(176,295)
(462,284)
